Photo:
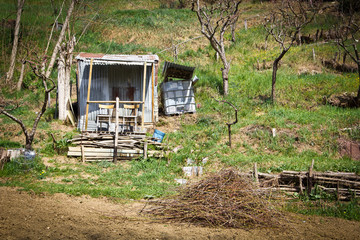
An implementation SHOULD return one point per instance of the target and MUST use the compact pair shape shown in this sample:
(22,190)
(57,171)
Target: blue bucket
(158,136)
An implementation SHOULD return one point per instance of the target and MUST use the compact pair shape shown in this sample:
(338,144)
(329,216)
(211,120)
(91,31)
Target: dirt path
(30,216)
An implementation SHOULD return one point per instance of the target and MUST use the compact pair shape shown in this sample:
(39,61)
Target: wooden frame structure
(117,101)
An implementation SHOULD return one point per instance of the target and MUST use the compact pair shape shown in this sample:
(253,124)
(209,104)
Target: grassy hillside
(306,127)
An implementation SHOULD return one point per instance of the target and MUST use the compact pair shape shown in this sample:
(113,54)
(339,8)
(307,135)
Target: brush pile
(225,199)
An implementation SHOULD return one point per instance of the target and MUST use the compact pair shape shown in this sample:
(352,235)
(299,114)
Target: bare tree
(30,133)
(65,61)
(64,72)
(230,123)
(38,67)
(347,31)
(10,73)
(284,25)
(60,39)
(215,17)
(58,43)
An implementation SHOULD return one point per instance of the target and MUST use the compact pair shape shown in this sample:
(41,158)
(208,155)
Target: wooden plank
(116,137)
(106,150)
(143,98)
(83,153)
(71,117)
(88,95)
(120,151)
(153,93)
(96,150)
(98,101)
(110,155)
(145,150)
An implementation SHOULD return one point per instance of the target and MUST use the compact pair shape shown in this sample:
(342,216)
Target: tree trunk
(10,73)
(61,85)
(225,76)
(358,93)
(60,39)
(58,44)
(21,78)
(275,68)
(28,142)
(64,74)
(233,27)
(273,82)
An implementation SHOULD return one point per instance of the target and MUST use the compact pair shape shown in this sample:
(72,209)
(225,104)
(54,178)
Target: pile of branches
(225,199)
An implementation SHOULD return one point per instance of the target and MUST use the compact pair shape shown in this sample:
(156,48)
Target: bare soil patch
(28,216)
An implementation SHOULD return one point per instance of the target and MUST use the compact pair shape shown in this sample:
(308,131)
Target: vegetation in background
(306,128)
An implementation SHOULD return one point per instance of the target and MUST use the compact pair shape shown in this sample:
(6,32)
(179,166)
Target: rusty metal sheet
(118,57)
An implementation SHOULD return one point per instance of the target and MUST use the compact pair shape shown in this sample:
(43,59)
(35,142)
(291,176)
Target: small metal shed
(178,96)
(130,78)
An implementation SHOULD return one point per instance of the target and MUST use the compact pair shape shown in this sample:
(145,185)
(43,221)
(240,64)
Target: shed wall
(110,81)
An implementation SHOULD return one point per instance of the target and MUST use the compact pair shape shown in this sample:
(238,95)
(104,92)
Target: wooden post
(145,149)
(300,185)
(143,97)
(88,95)
(245,25)
(256,174)
(116,137)
(82,153)
(313,52)
(310,177)
(153,93)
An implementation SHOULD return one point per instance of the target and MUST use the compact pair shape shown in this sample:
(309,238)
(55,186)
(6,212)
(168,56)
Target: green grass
(141,178)
(306,128)
(347,210)
(9,144)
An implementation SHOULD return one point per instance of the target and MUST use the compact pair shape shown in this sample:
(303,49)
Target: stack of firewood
(96,146)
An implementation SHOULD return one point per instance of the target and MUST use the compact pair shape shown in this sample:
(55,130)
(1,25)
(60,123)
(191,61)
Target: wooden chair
(104,118)
(130,120)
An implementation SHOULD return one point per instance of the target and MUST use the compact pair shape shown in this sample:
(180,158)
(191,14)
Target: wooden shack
(103,78)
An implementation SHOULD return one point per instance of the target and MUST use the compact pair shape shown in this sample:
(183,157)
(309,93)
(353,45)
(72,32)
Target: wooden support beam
(145,150)
(116,137)
(143,97)
(300,184)
(256,175)
(310,178)
(88,95)
(83,154)
(153,92)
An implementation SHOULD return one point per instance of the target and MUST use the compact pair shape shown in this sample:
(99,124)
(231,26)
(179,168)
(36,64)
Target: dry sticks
(225,199)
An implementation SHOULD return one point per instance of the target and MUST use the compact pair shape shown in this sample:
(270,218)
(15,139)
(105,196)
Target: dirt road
(28,216)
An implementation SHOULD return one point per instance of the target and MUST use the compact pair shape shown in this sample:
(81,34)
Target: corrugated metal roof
(117,57)
(177,71)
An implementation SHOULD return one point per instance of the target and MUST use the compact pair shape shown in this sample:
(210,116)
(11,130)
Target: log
(335,181)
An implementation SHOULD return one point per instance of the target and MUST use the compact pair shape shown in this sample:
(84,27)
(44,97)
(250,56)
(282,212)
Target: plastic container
(158,136)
